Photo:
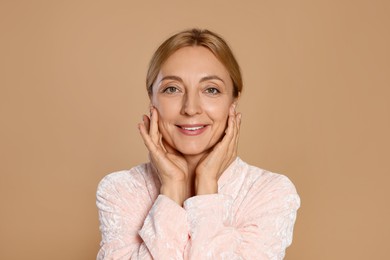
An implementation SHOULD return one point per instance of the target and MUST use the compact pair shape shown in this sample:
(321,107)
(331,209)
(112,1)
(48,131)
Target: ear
(236,99)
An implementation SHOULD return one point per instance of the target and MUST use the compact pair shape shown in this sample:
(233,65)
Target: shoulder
(262,178)
(125,181)
(272,181)
(268,185)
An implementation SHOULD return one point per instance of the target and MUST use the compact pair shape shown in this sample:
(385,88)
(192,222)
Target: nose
(191,104)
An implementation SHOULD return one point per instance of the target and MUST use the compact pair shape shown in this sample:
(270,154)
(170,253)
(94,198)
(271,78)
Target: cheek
(167,113)
(163,107)
(219,113)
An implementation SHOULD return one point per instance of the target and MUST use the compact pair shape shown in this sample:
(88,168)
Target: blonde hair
(195,37)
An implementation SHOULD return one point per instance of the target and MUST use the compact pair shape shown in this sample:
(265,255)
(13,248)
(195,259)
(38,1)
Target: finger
(161,143)
(169,148)
(237,136)
(220,155)
(146,121)
(239,119)
(156,155)
(154,133)
(233,133)
(223,145)
(150,145)
(236,128)
(229,134)
(232,149)
(230,126)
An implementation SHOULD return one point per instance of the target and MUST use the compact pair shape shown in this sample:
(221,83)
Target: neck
(192,163)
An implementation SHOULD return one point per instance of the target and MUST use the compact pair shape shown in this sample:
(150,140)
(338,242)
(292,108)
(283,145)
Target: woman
(195,199)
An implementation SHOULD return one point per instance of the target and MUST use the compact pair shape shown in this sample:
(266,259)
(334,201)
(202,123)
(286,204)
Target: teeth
(192,128)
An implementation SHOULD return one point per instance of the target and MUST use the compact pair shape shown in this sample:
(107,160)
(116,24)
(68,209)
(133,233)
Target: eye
(212,91)
(171,90)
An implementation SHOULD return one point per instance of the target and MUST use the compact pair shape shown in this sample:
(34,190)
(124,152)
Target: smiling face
(192,94)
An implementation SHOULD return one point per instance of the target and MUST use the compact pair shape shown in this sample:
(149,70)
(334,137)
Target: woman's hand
(170,165)
(213,164)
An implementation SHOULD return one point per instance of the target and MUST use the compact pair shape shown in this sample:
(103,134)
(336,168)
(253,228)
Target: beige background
(315,107)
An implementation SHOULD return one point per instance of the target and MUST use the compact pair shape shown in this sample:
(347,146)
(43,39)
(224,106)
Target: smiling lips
(192,129)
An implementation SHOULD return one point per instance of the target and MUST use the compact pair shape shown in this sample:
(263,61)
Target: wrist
(205,186)
(175,191)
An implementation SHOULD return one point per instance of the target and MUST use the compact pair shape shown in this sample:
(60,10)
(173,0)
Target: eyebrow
(171,77)
(212,77)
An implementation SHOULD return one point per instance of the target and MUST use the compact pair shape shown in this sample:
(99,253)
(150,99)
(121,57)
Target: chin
(193,153)
(193,149)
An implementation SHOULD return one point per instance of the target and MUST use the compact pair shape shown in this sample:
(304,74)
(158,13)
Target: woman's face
(192,94)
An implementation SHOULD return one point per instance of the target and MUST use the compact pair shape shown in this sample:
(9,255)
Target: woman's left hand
(213,164)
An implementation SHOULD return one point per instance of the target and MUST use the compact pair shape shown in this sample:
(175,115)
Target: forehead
(195,61)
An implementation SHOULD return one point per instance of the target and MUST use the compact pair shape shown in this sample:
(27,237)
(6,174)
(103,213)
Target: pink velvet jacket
(251,217)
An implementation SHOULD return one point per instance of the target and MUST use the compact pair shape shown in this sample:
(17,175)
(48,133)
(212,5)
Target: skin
(193,90)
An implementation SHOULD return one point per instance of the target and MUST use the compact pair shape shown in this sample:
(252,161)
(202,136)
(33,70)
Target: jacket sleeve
(262,226)
(135,227)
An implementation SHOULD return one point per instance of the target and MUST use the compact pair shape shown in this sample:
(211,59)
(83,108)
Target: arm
(261,228)
(257,227)
(170,165)
(135,227)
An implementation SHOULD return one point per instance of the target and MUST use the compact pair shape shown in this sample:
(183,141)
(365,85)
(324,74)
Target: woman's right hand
(171,167)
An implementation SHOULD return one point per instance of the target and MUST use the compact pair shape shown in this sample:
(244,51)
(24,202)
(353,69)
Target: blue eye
(212,91)
(170,90)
